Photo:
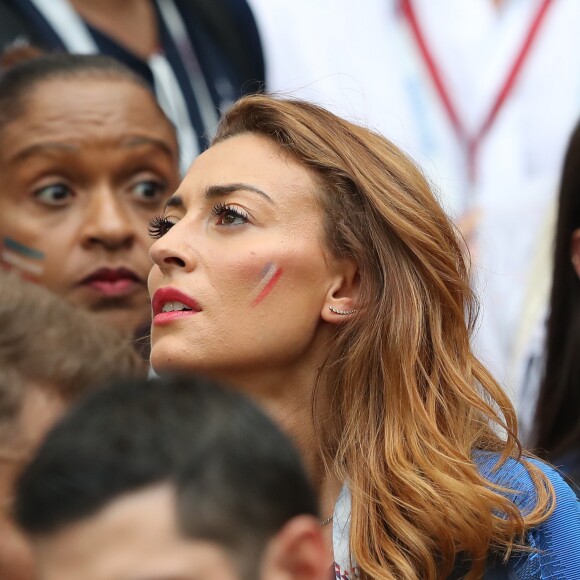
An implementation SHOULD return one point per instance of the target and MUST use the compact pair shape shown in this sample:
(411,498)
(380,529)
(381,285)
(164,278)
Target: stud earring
(341,312)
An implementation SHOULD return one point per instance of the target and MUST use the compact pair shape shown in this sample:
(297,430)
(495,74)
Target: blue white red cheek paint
(17,256)
(270,276)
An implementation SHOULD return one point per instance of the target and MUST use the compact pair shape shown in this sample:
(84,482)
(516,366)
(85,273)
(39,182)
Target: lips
(112,281)
(169,304)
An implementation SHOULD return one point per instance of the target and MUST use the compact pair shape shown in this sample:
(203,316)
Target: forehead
(93,109)
(251,159)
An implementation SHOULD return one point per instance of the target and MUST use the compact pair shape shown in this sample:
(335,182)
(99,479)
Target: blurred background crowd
(483,94)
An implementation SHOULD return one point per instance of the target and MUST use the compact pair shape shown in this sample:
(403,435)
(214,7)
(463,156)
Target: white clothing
(526,367)
(344,566)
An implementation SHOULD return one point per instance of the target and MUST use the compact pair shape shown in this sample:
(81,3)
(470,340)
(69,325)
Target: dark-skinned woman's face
(84,168)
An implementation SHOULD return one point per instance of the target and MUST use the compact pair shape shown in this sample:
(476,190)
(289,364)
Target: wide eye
(149,191)
(55,194)
(229,215)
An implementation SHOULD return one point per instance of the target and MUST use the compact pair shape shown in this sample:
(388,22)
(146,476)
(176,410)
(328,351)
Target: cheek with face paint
(269,277)
(29,262)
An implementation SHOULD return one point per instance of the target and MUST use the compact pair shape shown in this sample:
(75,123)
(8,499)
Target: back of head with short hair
(47,341)
(237,478)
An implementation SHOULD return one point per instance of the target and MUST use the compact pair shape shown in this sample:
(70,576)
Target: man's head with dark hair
(169,479)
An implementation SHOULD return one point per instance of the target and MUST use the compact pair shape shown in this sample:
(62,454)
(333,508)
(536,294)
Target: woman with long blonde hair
(306,261)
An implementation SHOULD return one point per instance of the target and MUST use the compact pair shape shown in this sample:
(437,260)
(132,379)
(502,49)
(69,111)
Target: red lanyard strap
(473,142)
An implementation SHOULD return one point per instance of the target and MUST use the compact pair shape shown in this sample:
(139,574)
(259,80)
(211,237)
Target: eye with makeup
(229,215)
(159,226)
(54,194)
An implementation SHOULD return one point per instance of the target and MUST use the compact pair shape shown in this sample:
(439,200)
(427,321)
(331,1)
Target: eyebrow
(221,190)
(213,191)
(49,147)
(44,149)
(165,578)
(138,141)
(174,201)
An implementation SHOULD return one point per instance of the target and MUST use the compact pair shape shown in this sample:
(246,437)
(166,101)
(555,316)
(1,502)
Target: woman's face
(84,169)
(242,249)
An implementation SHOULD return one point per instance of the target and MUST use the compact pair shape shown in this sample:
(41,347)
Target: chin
(170,355)
(168,367)
(130,323)
(164,361)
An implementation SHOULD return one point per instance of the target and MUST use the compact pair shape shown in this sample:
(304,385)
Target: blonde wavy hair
(406,401)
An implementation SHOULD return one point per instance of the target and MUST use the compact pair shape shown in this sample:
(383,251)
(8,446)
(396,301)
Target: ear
(575,250)
(342,297)
(297,552)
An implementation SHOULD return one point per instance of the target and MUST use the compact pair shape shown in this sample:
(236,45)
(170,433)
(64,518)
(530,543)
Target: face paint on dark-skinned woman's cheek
(26,260)
(269,278)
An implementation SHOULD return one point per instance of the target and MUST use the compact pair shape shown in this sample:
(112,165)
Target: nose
(109,222)
(170,252)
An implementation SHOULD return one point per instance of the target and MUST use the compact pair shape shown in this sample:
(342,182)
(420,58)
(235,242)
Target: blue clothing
(557,540)
(555,543)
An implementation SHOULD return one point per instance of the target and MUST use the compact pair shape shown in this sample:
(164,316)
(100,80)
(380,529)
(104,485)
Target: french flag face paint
(18,256)
(270,276)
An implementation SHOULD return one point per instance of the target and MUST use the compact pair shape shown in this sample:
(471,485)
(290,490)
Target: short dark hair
(238,479)
(18,81)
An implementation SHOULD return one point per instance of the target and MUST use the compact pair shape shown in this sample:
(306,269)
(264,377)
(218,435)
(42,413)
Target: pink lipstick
(169,304)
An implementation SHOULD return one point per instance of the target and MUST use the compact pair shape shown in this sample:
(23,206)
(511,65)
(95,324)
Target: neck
(132,23)
(106,6)
(287,397)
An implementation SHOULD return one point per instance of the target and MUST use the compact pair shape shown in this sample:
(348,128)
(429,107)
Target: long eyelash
(159,226)
(220,208)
